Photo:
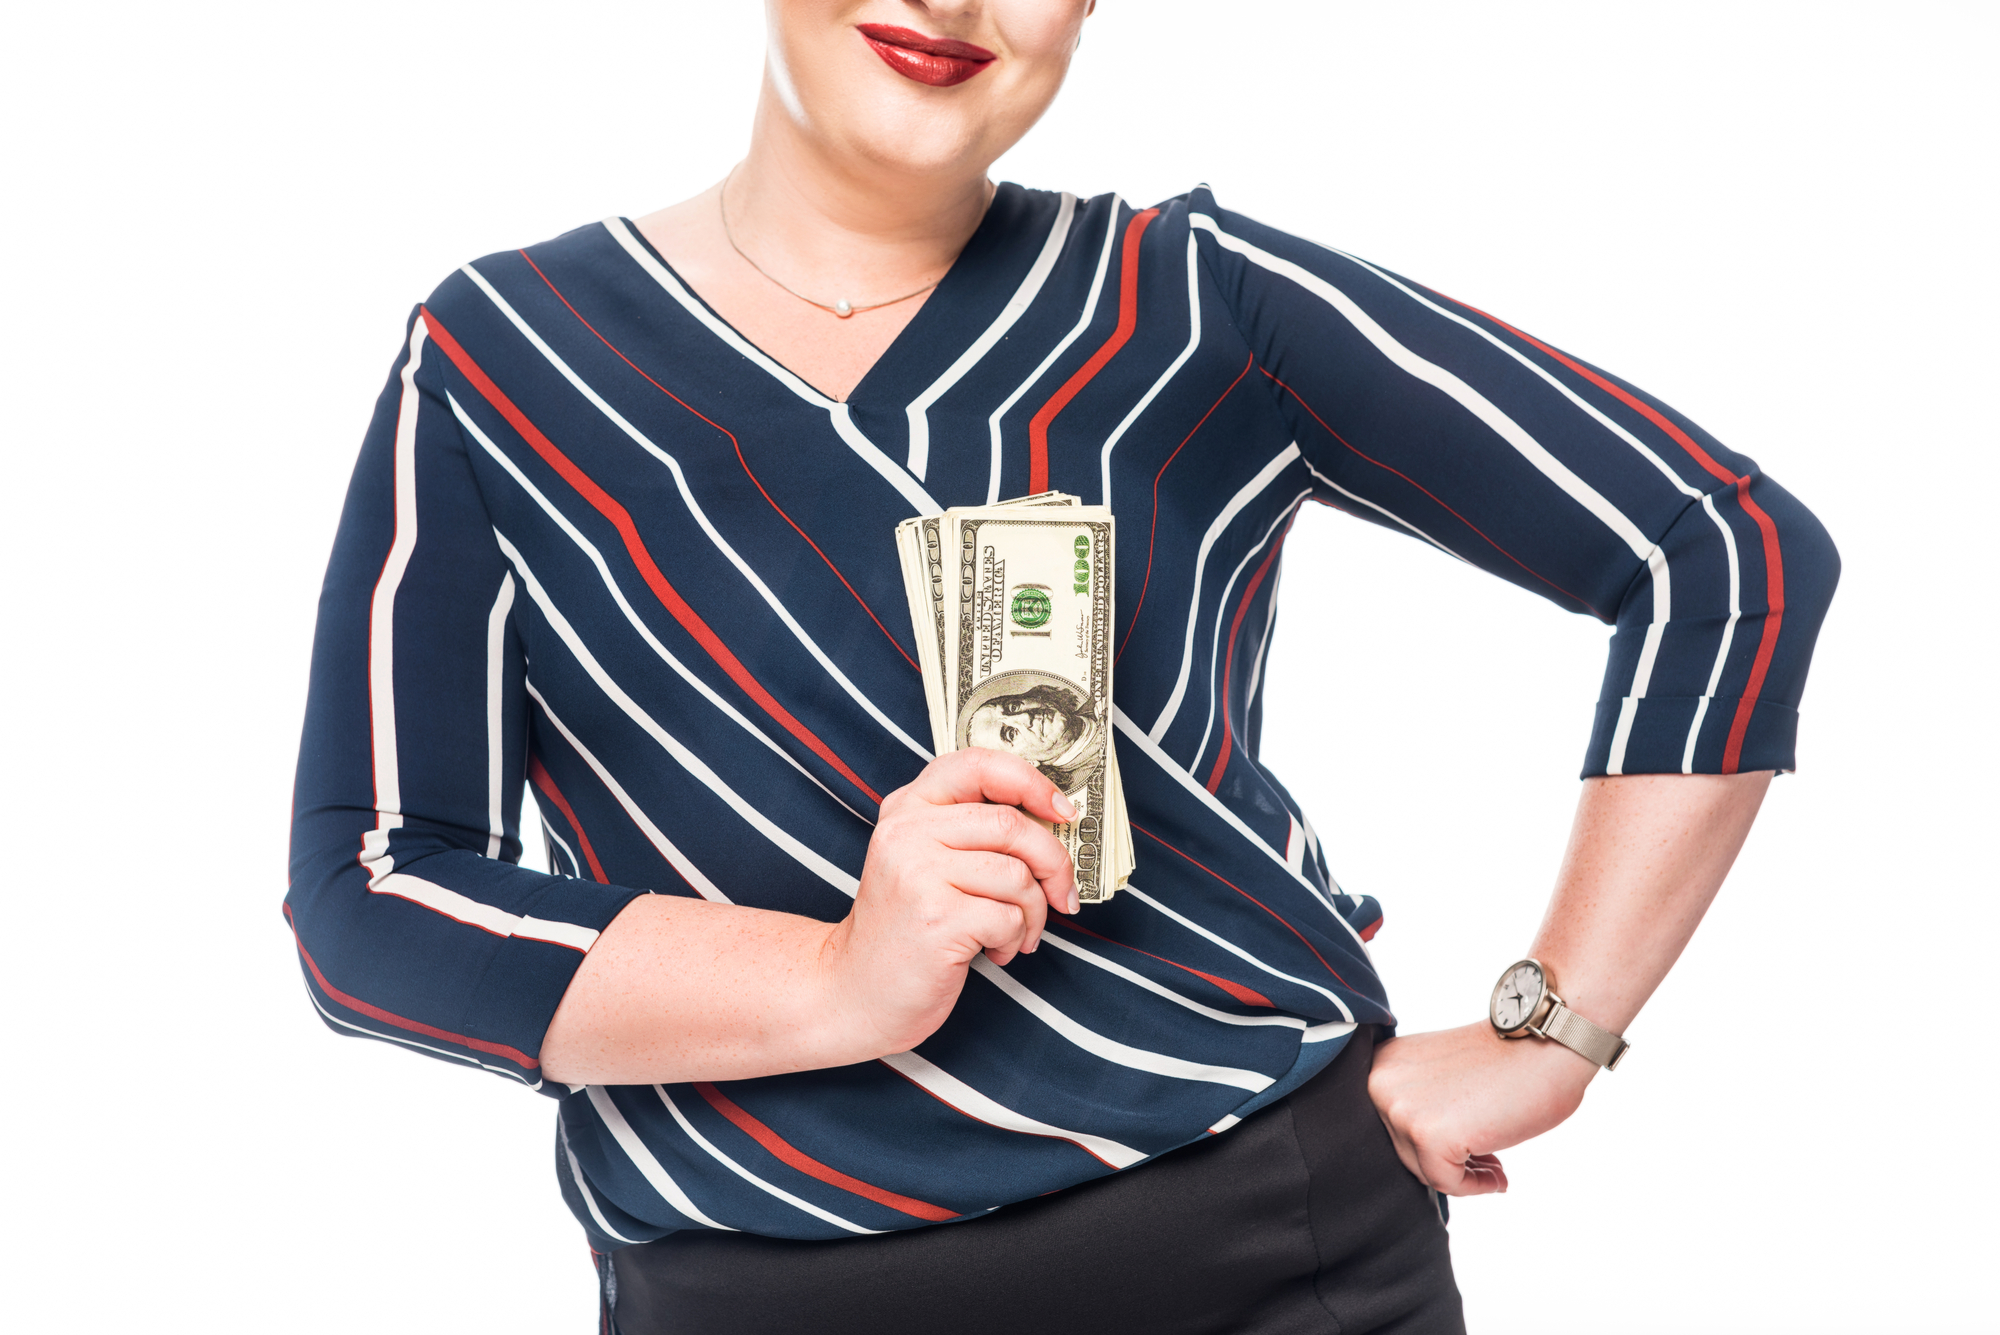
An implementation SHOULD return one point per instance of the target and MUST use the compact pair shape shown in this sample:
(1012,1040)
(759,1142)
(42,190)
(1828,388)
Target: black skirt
(1300,1221)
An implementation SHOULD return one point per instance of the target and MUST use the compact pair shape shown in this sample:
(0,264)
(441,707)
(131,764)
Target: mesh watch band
(1582,1037)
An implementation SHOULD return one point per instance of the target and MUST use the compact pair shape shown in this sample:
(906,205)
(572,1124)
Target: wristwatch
(1525,1002)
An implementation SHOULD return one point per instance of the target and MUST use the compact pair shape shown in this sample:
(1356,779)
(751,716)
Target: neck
(837,222)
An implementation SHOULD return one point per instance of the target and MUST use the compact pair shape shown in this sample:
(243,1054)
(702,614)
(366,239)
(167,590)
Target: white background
(1778,217)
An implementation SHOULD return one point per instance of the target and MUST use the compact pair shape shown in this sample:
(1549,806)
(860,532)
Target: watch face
(1515,999)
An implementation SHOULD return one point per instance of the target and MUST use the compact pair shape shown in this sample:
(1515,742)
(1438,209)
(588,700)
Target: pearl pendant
(842,308)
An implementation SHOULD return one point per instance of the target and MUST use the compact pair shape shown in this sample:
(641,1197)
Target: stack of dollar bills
(1013,615)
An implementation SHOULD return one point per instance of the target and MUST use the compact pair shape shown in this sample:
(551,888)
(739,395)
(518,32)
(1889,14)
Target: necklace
(841,306)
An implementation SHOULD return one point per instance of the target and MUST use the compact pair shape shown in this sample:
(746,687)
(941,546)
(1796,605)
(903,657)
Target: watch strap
(1580,1036)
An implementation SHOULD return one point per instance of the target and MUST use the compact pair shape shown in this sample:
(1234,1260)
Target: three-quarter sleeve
(412,920)
(1446,424)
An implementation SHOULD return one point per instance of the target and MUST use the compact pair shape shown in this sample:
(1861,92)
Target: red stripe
(538,775)
(1229,656)
(1767,645)
(1128,320)
(1650,413)
(636,547)
(811,1167)
(1774,558)
(1368,932)
(1252,898)
(1248,996)
(1434,496)
(1155,530)
(361,1007)
(739,455)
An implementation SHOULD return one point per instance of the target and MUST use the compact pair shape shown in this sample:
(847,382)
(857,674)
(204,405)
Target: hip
(1299,1220)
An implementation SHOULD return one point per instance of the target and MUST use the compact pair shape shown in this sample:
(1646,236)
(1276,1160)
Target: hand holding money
(961,864)
(1012,605)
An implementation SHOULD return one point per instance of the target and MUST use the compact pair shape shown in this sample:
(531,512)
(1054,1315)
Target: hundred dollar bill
(920,549)
(1030,662)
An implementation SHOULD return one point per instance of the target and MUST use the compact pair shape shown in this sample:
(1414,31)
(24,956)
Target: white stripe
(911,490)
(1173,367)
(687,759)
(700,516)
(1083,323)
(1221,611)
(1603,420)
(1539,370)
(1024,296)
(1113,1050)
(1728,635)
(1390,514)
(690,873)
(751,1177)
(1188,1003)
(1320,1033)
(1244,495)
(914,495)
(1110,1049)
(632,617)
(575,867)
(642,1158)
(1295,846)
(949,1089)
(366,1032)
(583,1189)
(496,732)
(382,624)
(1642,675)
(1223,1125)
(463,908)
(1437,376)
(1236,950)
(1215,805)
(1264,644)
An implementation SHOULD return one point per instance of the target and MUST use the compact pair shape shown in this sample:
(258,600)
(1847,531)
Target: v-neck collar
(929,321)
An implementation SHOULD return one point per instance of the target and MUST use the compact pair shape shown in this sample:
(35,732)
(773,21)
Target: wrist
(1526,1006)
(840,1026)
(1552,1064)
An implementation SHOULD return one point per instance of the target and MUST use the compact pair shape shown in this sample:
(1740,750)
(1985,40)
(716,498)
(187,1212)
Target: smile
(937,61)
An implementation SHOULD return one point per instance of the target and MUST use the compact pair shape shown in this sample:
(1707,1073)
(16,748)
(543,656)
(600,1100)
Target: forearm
(681,989)
(1646,856)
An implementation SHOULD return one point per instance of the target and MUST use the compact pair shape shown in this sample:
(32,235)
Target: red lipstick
(937,61)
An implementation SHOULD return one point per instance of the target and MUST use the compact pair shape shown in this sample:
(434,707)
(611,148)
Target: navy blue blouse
(599,543)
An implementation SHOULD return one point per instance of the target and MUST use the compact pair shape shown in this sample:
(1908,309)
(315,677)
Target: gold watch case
(1521,999)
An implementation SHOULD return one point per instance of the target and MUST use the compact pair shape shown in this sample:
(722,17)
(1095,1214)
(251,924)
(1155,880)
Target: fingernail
(1073,905)
(1065,808)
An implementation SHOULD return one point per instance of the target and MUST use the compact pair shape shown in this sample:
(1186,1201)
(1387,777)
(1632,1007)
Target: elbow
(1800,553)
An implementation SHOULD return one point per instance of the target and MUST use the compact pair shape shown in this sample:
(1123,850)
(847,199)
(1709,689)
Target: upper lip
(912,40)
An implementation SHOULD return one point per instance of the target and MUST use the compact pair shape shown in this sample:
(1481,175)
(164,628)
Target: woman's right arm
(413,921)
(679,989)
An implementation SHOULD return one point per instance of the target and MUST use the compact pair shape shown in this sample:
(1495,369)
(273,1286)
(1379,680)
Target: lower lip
(937,71)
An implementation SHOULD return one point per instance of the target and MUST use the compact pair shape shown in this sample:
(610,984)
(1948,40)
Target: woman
(622,528)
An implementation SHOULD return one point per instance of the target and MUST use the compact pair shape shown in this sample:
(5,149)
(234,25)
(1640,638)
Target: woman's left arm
(1439,421)
(1646,856)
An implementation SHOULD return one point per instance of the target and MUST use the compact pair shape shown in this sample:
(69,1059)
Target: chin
(920,144)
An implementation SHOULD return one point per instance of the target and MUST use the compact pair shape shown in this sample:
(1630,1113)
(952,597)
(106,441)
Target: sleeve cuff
(1691,735)
(527,975)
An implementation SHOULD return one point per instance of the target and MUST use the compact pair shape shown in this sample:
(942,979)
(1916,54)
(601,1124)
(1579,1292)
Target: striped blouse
(600,544)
